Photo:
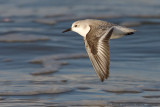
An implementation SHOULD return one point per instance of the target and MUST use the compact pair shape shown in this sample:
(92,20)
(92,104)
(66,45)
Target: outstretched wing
(97,47)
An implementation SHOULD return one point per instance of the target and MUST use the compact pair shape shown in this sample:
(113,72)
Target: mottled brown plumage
(96,34)
(98,52)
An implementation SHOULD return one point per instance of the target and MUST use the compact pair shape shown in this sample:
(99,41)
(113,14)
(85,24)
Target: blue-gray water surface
(40,66)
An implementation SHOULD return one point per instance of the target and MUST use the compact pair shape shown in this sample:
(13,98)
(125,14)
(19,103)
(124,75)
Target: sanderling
(96,34)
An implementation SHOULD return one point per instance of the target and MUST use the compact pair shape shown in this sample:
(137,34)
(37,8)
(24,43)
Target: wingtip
(102,79)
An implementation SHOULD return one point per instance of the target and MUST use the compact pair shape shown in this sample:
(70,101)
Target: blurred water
(64,74)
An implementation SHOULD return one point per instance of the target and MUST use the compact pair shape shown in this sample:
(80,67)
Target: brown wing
(98,52)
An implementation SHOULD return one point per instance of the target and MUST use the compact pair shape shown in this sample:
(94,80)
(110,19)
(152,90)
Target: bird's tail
(120,31)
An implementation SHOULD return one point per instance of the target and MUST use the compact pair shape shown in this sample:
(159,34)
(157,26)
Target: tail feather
(130,33)
(120,31)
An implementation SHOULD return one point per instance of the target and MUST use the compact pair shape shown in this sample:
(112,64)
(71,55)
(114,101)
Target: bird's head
(80,27)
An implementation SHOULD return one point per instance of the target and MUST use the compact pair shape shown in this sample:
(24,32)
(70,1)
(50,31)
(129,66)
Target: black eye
(75,26)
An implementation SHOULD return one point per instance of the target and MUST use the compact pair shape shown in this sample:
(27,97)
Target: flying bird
(96,34)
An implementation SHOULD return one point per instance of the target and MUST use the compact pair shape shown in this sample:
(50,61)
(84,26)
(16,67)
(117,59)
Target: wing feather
(99,53)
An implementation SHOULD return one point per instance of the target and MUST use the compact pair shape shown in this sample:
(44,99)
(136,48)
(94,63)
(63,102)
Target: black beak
(67,30)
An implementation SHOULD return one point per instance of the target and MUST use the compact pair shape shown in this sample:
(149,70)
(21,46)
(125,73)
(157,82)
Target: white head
(80,27)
